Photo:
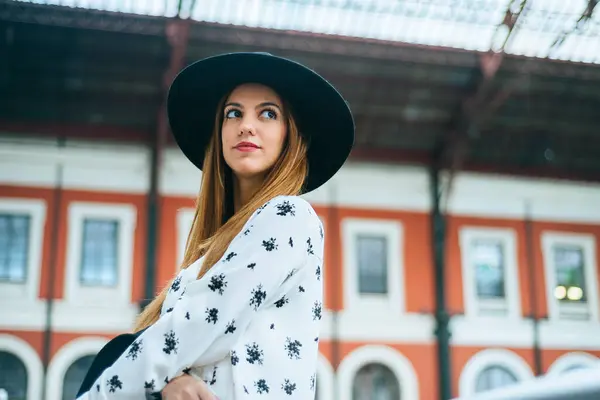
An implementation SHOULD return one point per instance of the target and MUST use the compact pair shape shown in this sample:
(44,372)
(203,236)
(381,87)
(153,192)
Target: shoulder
(290,210)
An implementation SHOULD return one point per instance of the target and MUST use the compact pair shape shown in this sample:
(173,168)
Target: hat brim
(319,110)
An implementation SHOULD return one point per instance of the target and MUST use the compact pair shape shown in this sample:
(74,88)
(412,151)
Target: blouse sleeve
(208,318)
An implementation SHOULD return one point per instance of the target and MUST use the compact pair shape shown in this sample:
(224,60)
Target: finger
(204,392)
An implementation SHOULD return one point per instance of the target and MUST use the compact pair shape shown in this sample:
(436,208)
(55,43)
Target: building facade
(521,267)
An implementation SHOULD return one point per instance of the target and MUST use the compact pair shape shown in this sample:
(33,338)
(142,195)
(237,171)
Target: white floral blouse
(249,328)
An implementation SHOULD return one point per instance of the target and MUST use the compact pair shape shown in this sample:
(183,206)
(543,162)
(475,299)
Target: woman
(242,315)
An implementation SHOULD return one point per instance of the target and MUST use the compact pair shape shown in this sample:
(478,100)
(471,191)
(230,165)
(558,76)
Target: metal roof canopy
(92,73)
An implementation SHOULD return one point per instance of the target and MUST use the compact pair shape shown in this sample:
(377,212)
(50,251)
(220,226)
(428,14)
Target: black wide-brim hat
(319,110)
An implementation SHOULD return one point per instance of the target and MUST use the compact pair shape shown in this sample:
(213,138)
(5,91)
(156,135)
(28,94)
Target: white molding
(474,308)
(588,244)
(568,360)
(185,218)
(29,291)
(394,360)
(31,360)
(178,176)
(361,327)
(387,305)
(325,379)
(487,358)
(491,332)
(102,167)
(506,197)
(67,355)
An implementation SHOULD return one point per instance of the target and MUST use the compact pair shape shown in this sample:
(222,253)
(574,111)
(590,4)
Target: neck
(243,190)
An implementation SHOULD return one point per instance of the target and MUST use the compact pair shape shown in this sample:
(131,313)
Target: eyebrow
(263,104)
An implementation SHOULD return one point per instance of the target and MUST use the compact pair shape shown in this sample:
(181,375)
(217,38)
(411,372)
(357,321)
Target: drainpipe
(442,318)
(537,353)
(54,242)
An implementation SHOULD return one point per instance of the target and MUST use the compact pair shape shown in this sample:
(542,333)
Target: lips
(246,146)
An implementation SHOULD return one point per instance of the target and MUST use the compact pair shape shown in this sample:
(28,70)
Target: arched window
(13,376)
(494,377)
(375,382)
(75,375)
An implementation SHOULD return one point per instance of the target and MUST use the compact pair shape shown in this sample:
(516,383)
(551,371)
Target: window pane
(13,376)
(99,258)
(75,376)
(375,382)
(570,275)
(493,378)
(372,264)
(488,260)
(14,247)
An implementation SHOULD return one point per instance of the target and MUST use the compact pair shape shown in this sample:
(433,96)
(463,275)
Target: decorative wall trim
(325,379)
(490,357)
(572,359)
(33,364)
(99,167)
(394,360)
(67,355)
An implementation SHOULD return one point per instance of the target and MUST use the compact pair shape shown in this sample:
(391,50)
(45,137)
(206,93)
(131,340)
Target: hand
(187,387)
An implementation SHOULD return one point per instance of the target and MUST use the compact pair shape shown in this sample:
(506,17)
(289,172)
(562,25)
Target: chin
(248,171)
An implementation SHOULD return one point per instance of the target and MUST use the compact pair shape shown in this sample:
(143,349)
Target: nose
(247,127)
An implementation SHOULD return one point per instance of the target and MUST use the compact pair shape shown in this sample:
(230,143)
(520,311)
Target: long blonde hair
(215,225)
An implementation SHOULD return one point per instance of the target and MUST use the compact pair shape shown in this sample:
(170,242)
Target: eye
(233,113)
(269,114)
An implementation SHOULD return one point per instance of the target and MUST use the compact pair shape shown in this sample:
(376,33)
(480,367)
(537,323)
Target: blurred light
(560,292)
(575,293)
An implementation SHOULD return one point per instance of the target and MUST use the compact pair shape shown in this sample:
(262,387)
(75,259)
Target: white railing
(583,384)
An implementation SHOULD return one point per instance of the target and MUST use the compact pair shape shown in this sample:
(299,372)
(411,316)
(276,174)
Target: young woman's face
(253,130)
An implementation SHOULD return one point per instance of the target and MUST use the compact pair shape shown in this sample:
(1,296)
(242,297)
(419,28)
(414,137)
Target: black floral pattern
(316,311)
(282,301)
(261,386)
(293,348)
(286,208)
(288,387)
(270,244)
(171,342)
(134,349)
(230,327)
(212,315)
(258,296)
(254,354)
(218,283)
(234,358)
(212,320)
(114,383)
(176,285)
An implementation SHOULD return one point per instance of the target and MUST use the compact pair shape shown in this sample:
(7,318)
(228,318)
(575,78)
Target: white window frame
(36,210)
(65,357)
(185,218)
(29,357)
(474,307)
(571,359)
(393,302)
(556,310)
(490,358)
(378,354)
(120,294)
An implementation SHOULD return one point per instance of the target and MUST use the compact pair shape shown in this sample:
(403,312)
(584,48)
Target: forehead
(253,93)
